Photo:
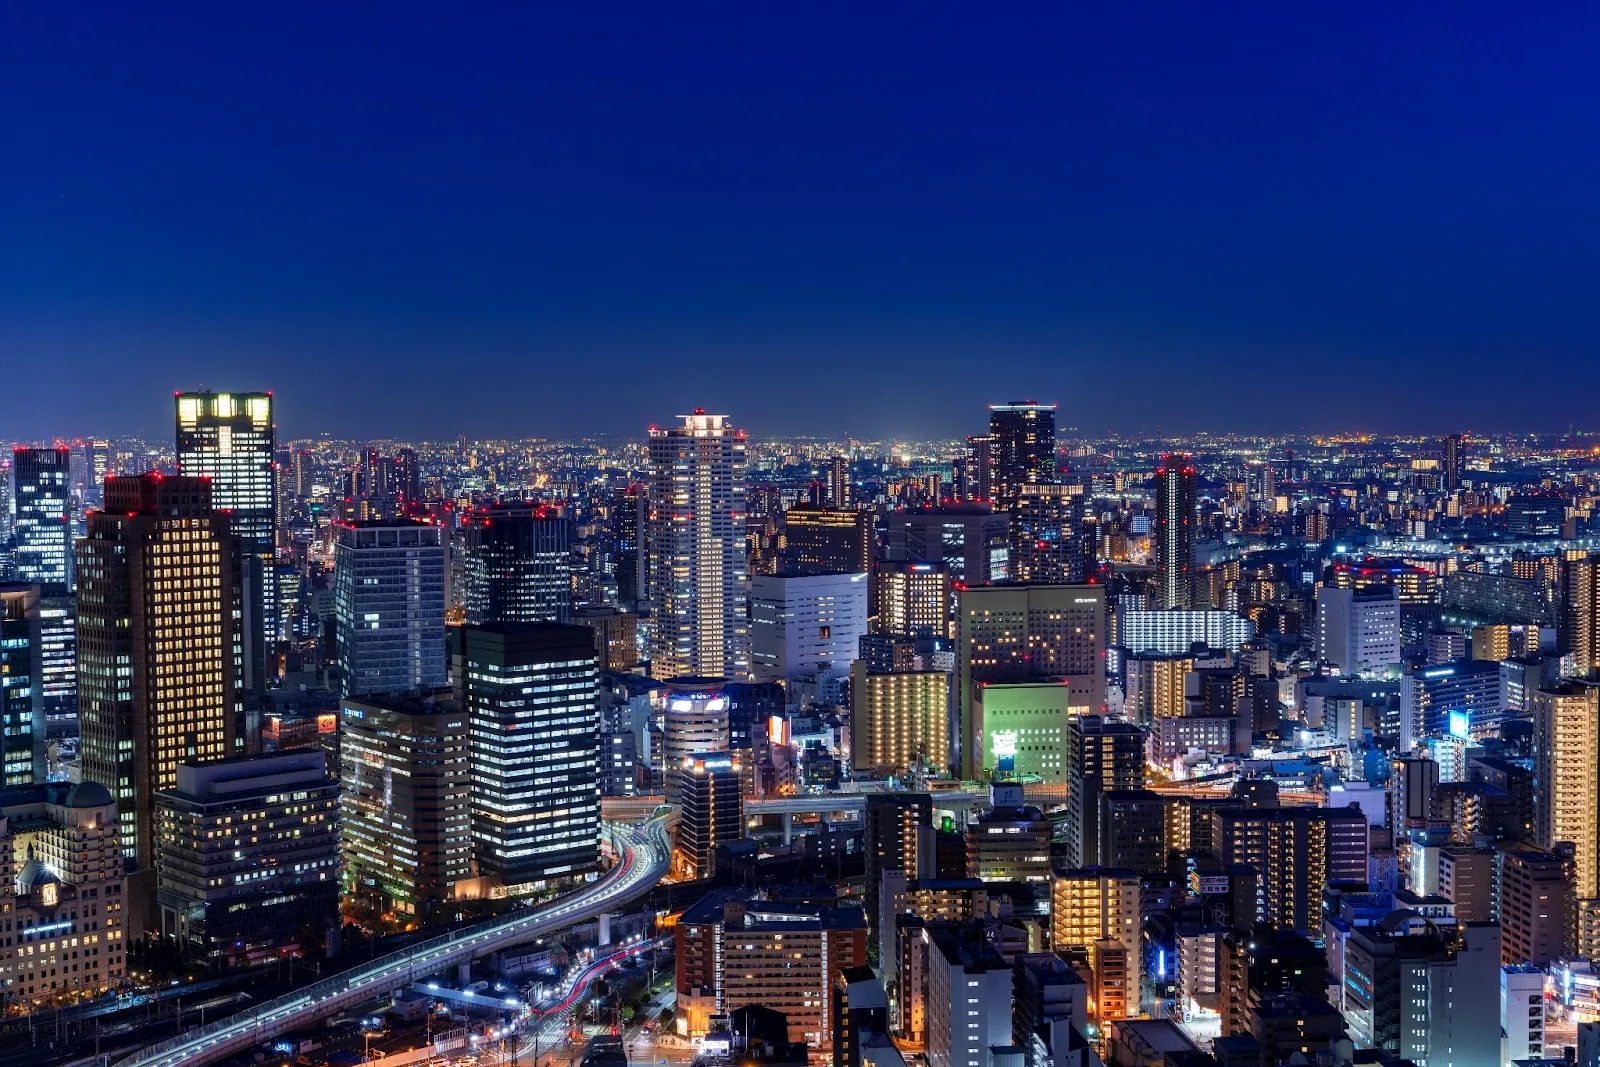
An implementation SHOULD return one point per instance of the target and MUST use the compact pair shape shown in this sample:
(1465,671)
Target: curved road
(643,857)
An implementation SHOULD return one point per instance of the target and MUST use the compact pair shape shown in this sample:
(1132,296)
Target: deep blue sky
(424,219)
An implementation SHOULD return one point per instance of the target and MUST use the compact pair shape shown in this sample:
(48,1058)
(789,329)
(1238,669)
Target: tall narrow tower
(229,438)
(1174,537)
(1022,447)
(694,549)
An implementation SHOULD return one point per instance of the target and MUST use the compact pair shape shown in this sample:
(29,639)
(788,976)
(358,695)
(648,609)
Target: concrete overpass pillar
(788,827)
(605,928)
(464,974)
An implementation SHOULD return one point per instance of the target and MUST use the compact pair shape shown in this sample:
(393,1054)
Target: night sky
(544,219)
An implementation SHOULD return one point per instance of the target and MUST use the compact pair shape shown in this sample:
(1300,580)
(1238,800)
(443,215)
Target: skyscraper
(22,724)
(517,566)
(388,595)
(973,542)
(623,511)
(712,811)
(1566,766)
(1047,535)
(530,694)
(1020,633)
(1022,446)
(1174,531)
(976,484)
(1580,611)
(1453,448)
(841,490)
(160,650)
(229,438)
(824,541)
(42,505)
(694,549)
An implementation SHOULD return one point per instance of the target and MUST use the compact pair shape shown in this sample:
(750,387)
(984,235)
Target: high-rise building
(1534,899)
(696,724)
(826,541)
(894,828)
(1022,446)
(616,636)
(976,484)
(1173,540)
(1580,612)
(529,691)
(1358,631)
(899,720)
(1453,449)
(841,489)
(230,439)
(247,857)
(805,626)
(22,723)
(623,509)
(912,599)
(968,998)
(41,503)
(1566,765)
(517,565)
(1010,840)
(407,480)
(62,891)
(1176,632)
(712,812)
(1018,633)
(971,541)
(405,805)
(160,650)
(1024,728)
(1296,852)
(389,604)
(1153,686)
(58,669)
(1106,756)
(1047,543)
(694,577)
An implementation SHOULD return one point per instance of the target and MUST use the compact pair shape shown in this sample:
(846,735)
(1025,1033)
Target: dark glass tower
(1174,530)
(517,566)
(42,502)
(22,726)
(1022,448)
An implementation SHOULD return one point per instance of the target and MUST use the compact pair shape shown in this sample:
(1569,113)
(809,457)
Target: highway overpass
(643,855)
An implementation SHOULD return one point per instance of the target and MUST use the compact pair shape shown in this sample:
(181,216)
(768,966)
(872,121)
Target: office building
(1010,840)
(230,439)
(1023,728)
(1467,880)
(1176,632)
(694,578)
(247,858)
(389,604)
(971,541)
(63,894)
(1093,904)
(1172,543)
(1460,698)
(517,565)
(1047,542)
(405,804)
(41,502)
(1358,631)
(1025,633)
(1132,831)
(529,690)
(1535,515)
(806,626)
(1022,449)
(968,997)
(616,636)
(826,540)
(58,666)
(712,812)
(913,599)
(899,720)
(1106,756)
(696,724)
(733,951)
(1566,765)
(22,722)
(160,651)
(1534,902)
(1407,992)
(622,509)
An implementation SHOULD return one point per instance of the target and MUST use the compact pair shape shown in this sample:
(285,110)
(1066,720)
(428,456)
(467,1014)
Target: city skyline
(1164,218)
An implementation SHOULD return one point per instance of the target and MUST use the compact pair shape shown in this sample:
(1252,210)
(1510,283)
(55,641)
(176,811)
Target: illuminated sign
(1460,724)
